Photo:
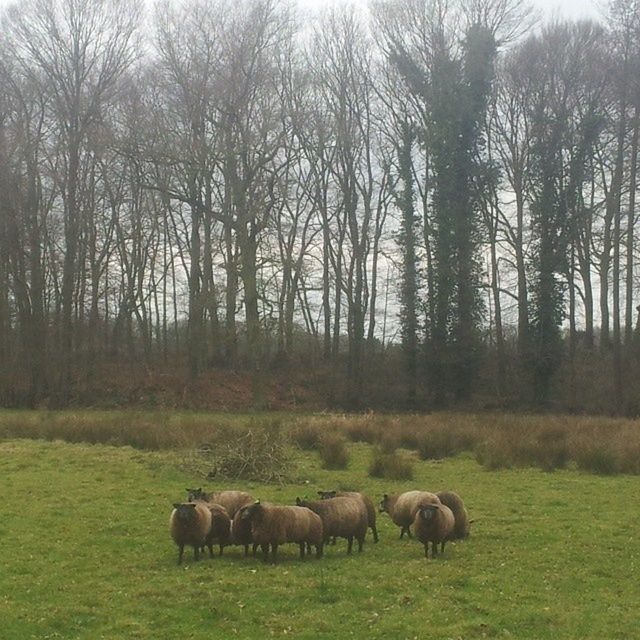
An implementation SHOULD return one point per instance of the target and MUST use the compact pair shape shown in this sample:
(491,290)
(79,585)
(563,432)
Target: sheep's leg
(333,540)
(360,543)
(350,544)
(319,550)
(434,549)
(265,552)
(375,534)
(409,533)
(308,548)
(196,553)
(210,550)
(302,548)
(255,549)
(221,548)
(401,533)
(426,550)
(442,547)
(180,553)
(246,550)
(274,553)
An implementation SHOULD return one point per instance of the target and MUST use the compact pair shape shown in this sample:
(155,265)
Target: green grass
(86,554)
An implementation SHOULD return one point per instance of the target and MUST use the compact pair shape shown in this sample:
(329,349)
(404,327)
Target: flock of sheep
(234,517)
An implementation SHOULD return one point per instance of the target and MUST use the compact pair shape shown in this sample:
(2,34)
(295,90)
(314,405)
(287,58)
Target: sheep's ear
(320,493)
(199,490)
(298,501)
(385,497)
(176,505)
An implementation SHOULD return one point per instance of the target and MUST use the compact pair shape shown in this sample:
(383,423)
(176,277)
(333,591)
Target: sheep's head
(185,511)
(327,495)
(196,494)
(251,511)
(384,504)
(428,511)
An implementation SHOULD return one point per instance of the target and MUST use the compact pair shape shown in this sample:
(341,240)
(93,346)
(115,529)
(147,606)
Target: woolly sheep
(190,525)
(368,503)
(241,531)
(433,523)
(462,527)
(403,507)
(341,518)
(220,527)
(230,500)
(275,525)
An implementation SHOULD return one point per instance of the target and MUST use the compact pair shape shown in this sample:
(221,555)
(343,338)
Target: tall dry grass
(498,440)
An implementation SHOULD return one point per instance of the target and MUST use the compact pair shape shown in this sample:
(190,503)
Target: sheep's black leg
(255,549)
(434,549)
(246,550)
(401,533)
(180,553)
(360,543)
(221,548)
(308,548)
(350,544)
(426,550)
(333,540)
(274,553)
(409,533)
(302,548)
(196,553)
(442,547)
(210,550)
(319,550)
(375,534)
(265,552)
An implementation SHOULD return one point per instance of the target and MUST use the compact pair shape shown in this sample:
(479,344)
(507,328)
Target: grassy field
(87,554)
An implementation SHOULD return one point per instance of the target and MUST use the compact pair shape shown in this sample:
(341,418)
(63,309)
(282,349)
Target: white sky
(548,8)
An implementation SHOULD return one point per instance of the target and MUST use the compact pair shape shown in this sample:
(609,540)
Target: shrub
(307,435)
(393,466)
(333,451)
(362,429)
(443,442)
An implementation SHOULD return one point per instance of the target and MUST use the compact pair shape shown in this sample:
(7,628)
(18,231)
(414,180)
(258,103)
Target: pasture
(86,553)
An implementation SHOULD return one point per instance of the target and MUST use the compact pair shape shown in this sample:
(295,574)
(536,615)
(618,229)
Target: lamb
(275,525)
(241,531)
(341,518)
(368,503)
(220,527)
(230,500)
(190,525)
(433,523)
(462,527)
(403,507)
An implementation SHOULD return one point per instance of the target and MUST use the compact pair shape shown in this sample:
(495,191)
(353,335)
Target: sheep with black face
(190,525)
(433,523)
(403,507)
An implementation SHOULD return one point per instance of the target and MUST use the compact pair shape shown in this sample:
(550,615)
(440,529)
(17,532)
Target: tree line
(428,201)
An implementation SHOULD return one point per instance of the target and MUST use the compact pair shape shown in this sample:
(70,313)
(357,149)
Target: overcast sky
(564,8)
(547,8)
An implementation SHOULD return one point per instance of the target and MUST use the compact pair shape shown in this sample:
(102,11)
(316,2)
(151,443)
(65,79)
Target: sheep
(190,524)
(433,523)
(462,528)
(220,527)
(230,500)
(241,531)
(275,525)
(341,518)
(368,503)
(402,508)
